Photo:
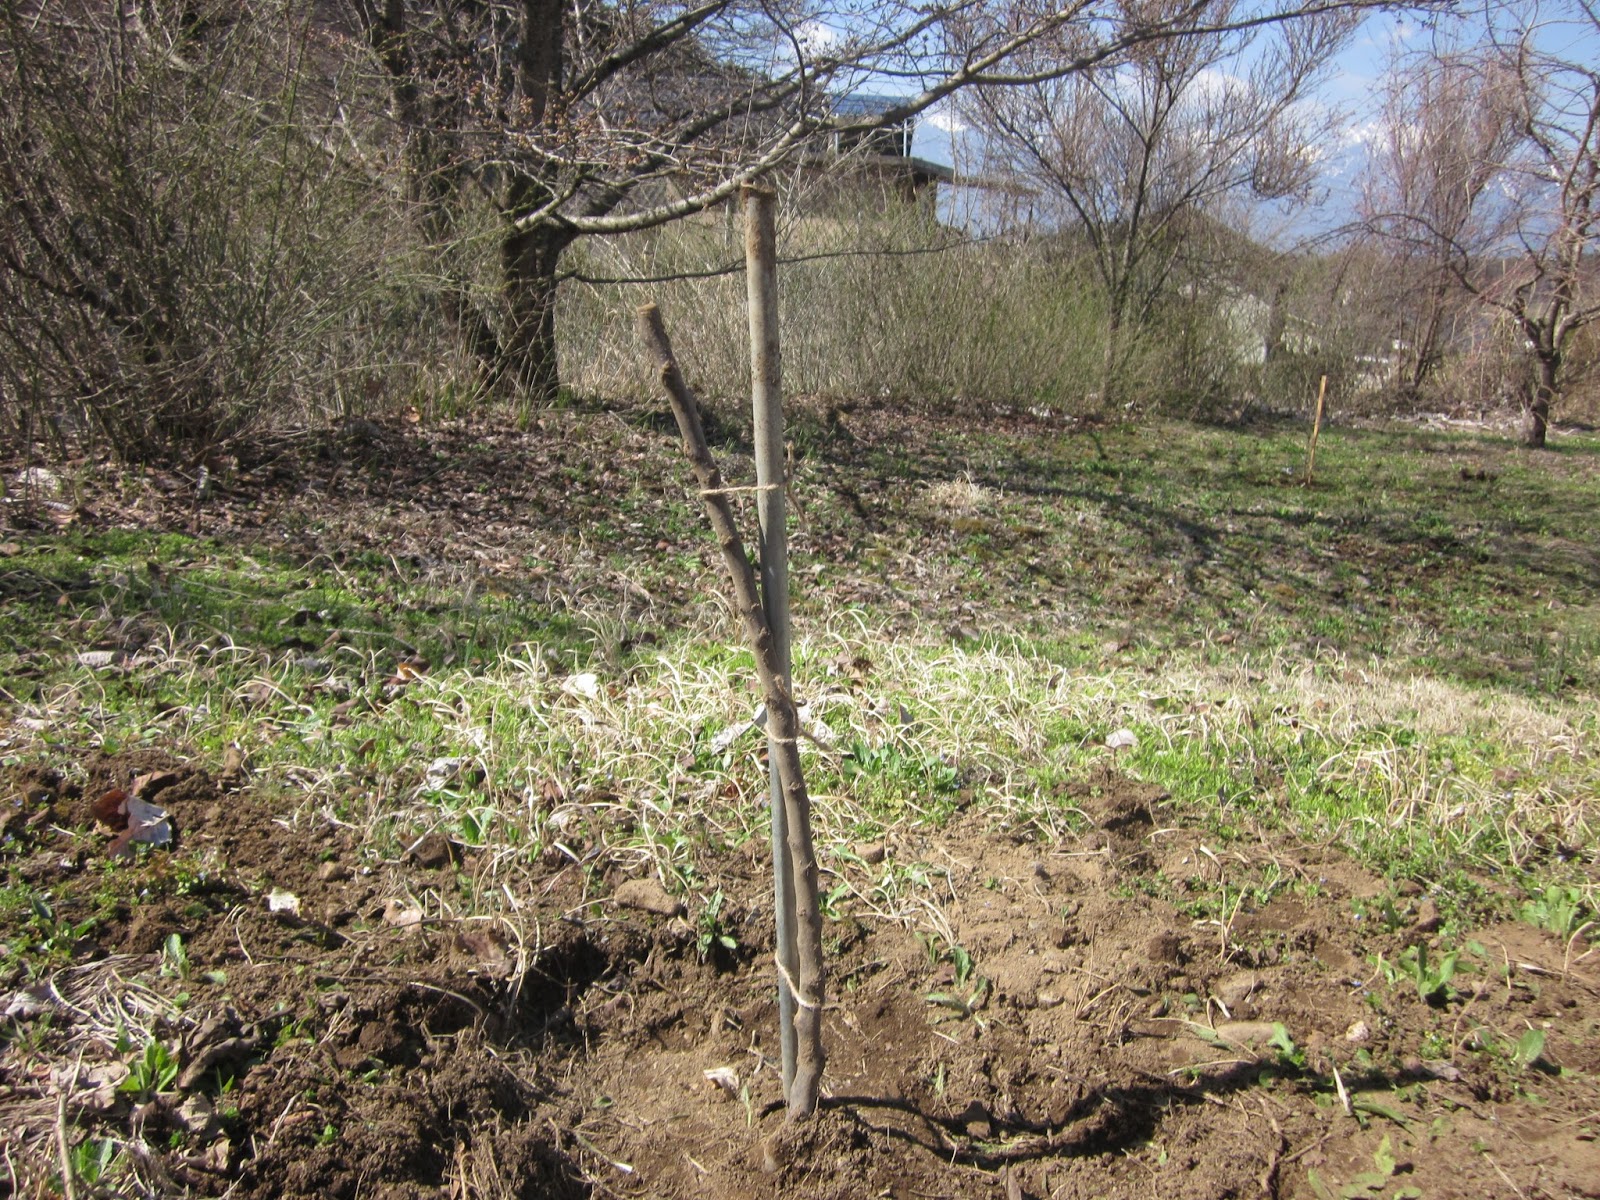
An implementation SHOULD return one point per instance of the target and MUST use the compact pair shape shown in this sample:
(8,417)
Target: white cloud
(944,116)
(1214,86)
(816,37)
(1361,134)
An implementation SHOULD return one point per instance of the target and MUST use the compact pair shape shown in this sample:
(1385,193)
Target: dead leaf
(258,693)
(730,735)
(401,915)
(488,948)
(1122,739)
(61,515)
(441,771)
(340,715)
(112,809)
(197,1114)
(725,1078)
(585,685)
(148,785)
(28,1003)
(92,1088)
(147,823)
(97,660)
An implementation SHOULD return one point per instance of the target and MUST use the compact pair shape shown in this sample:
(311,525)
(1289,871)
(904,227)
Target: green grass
(1396,659)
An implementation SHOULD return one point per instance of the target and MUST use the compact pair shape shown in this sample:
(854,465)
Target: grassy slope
(1403,657)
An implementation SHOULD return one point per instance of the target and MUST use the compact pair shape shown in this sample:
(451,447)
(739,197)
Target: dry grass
(641,765)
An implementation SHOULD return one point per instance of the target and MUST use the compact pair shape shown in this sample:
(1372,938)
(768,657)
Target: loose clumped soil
(1089,1040)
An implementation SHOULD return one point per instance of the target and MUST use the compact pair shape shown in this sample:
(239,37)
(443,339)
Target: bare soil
(1101,1044)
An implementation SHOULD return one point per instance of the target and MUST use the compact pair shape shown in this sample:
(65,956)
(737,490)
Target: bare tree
(1130,150)
(1550,289)
(1447,128)
(1496,178)
(584,117)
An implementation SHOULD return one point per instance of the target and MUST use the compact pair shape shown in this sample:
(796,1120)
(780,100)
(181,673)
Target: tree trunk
(1425,353)
(1537,422)
(1277,324)
(1111,360)
(432,183)
(529,261)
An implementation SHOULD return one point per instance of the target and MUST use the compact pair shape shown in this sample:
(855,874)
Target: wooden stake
(1316,428)
(766,402)
(783,725)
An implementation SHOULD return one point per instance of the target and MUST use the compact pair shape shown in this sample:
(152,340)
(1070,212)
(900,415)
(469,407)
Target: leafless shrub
(884,305)
(187,244)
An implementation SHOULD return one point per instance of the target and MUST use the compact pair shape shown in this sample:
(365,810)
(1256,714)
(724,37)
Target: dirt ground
(1093,1042)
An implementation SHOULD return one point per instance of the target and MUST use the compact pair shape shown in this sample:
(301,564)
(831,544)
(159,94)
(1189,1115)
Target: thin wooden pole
(807,981)
(1316,428)
(766,401)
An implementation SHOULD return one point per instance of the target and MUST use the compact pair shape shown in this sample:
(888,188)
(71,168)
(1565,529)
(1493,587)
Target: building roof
(865,104)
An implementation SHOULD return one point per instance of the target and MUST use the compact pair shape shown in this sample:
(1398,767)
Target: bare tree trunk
(1537,422)
(431,179)
(1425,354)
(1277,323)
(782,722)
(529,260)
(1111,360)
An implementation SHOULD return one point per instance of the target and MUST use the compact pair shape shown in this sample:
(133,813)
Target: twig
(1566,959)
(1509,1181)
(793,259)
(69,1182)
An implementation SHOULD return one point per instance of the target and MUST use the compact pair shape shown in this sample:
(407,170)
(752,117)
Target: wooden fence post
(766,401)
(1316,428)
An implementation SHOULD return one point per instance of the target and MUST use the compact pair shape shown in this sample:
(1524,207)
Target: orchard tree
(1494,175)
(1127,151)
(1550,289)
(596,117)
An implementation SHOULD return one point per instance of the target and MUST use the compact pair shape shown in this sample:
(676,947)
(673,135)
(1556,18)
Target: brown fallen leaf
(156,781)
(112,809)
(401,915)
(489,951)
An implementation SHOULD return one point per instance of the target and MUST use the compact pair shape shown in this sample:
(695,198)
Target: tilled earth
(1087,1040)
